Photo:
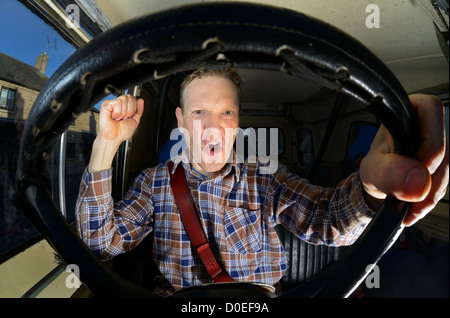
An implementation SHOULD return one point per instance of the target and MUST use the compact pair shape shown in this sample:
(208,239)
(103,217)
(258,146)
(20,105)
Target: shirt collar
(183,158)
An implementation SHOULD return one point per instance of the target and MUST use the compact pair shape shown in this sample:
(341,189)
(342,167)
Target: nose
(211,120)
(211,128)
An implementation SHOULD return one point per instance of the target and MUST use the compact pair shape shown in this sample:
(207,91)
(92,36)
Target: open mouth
(214,148)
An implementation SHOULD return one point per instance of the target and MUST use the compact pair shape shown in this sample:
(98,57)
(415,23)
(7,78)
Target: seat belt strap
(191,222)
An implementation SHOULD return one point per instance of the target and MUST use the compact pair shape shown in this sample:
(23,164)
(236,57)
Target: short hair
(227,73)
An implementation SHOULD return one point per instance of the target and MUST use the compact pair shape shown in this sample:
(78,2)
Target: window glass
(7,98)
(11,98)
(79,139)
(4,97)
(30,53)
(305,146)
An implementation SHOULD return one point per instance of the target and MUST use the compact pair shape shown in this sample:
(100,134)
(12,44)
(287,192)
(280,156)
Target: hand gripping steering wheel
(211,35)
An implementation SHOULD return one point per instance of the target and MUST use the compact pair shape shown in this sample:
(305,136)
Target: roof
(20,73)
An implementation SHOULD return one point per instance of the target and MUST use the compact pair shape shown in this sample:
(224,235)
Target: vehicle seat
(304,260)
(164,149)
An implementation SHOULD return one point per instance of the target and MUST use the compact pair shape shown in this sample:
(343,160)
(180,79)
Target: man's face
(210,116)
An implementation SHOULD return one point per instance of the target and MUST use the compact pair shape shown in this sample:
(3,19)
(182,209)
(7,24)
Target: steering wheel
(211,35)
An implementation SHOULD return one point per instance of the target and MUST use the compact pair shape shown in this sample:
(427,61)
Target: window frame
(9,90)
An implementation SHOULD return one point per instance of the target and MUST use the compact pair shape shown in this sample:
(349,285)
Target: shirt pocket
(242,230)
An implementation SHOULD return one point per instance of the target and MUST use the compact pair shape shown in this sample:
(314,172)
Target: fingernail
(409,220)
(412,218)
(416,182)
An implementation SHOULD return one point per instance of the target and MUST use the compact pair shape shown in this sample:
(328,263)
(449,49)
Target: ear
(179,115)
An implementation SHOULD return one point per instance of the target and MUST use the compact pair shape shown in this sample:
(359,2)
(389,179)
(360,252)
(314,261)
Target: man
(238,204)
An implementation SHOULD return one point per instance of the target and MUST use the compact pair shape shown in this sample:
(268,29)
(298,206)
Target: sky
(24,36)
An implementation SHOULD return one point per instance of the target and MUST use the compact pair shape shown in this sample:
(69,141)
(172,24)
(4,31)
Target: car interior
(323,131)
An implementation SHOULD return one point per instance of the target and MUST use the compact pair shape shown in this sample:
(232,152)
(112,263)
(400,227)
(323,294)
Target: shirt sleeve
(318,215)
(109,228)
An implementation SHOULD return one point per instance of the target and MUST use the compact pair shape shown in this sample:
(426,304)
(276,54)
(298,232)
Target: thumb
(402,177)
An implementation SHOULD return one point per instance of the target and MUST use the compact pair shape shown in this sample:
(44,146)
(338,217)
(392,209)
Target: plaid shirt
(239,208)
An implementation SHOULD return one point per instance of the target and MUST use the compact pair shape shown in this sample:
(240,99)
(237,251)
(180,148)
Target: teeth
(213,145)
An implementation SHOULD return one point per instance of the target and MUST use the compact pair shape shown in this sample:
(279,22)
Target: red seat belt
(191,221)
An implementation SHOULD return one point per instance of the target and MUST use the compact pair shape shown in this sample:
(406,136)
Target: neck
(197,168)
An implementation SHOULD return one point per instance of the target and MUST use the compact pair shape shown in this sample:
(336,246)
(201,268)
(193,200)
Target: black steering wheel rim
(211,35)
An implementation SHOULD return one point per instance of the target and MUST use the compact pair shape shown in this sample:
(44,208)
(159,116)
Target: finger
(439,187)
(115,107)
(431,114)
(111,108)
(139,110)
(122,107)
(384,172)
(131,107)
(398,176)
(122,110)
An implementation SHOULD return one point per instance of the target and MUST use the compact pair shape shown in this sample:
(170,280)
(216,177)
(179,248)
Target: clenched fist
(118,121)
(119,118)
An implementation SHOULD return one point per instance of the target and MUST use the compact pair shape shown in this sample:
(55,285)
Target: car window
(30,52)
(79,138)
(305,146)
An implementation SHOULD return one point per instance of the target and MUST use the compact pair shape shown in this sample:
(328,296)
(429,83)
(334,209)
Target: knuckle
(436,103)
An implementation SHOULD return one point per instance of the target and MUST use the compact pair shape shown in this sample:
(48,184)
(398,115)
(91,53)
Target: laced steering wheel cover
(210,35)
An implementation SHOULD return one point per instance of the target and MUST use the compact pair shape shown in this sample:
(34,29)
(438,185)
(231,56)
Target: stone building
(20,85)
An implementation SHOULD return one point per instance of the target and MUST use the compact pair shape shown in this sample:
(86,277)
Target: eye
(197,112)
(228,112)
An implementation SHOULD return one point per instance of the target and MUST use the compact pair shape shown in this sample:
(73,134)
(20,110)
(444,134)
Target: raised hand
(118,121)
